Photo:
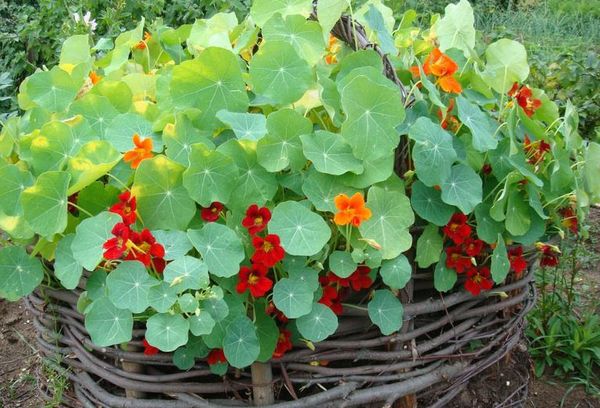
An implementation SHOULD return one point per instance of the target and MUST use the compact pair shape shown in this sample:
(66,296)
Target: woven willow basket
(444,342)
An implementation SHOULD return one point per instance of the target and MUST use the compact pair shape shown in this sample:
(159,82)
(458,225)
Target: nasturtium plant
(238,191)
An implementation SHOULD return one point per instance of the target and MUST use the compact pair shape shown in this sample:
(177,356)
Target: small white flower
(76,17)
(88,21)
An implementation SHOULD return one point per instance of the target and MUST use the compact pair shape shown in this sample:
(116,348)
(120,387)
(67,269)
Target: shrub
(224,187)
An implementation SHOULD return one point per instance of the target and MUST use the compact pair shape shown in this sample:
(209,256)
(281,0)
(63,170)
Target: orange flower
(442,66)
(332,48)
(351,210)
(439,64)
(449,84)
(141,151)
(95,78)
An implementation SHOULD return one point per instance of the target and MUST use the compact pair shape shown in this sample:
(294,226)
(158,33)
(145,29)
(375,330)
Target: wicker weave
(444,342)
(434,358)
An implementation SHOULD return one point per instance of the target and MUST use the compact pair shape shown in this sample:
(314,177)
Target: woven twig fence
(444,342)
(436,356)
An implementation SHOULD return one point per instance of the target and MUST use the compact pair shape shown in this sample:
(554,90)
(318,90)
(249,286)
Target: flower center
(267,246)
(253,279)
(258,221)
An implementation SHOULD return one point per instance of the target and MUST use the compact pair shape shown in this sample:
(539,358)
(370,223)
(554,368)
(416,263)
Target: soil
(21,366)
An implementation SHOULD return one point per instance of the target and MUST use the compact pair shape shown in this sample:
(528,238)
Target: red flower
(255,279)
(268,250)
(272,310)
(569,219)
(549,254)
(473,247)
(284,343)
(517,262)
(256,219)
(145,249)
(70,201)
(331,299)
(457,229)
(117,246)
(211,214)
(478,280)
(359,279)
(125,208)
(149,349)
(455,259)
(216,356)
(525,99)
(535,150)
(447,120)
(486,169)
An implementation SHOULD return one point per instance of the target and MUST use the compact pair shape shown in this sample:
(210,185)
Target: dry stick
(262,384)
(288,383)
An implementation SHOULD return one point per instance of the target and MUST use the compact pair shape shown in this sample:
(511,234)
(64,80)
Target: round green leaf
(506,64)
(329,153)
(487,228)
(128,286)
(396,272)
(304,35)
(342,264)
(245,126)
(432,153)
(96,285)
(278,73)
(302,232)
(218,308)
(483,128)
(94,160)
(443,277)
(373,110)
(66,268)
(263,10)
(376,171)
(201,324)
(45,203)
(319,324)
(427,203)
(386,311)
(176,243)
(388,225)
(240,344)
(456,29)
(162,296)
(167,332)
(321,189)
(162,201)
(211,82)
(282,146)
(186,273)
(187,303)
(90,235)
(13,180)
(463,188)
(220,247)
(183,358)
(267,332)
(500,262)
(52,147)
(429,246)
(98,111)
(208,178)
(293,297)
(179,139)
(108,325)
(53,90)
(19,273)
(518,220)
(254,184)
(122,128)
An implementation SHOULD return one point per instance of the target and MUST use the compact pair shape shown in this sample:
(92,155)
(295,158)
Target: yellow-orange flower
(351,210)
(95,78)
(332,49)
(141,151)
